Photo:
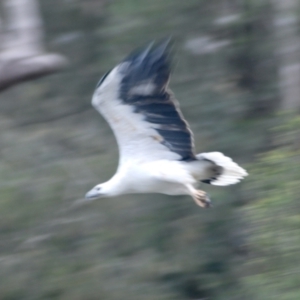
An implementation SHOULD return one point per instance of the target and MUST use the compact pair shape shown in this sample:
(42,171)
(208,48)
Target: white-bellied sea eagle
(156,146)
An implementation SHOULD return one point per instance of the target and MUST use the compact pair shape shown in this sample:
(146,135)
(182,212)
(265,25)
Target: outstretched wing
(135,100)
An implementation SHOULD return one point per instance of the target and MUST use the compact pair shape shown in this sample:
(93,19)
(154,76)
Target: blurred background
(236,75)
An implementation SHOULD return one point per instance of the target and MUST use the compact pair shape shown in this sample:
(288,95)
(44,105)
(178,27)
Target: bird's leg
(199,196)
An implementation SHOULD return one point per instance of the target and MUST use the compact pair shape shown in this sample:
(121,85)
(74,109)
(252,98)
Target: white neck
(115,186)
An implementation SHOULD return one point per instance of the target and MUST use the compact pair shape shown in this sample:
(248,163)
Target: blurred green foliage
(55,147)
(273,217)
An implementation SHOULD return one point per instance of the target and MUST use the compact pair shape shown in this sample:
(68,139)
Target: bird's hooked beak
(94,193)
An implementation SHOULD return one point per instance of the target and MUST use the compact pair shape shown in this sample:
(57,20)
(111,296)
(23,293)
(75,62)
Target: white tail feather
(232,172)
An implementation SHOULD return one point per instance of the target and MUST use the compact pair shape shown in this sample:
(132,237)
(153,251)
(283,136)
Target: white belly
(139,181)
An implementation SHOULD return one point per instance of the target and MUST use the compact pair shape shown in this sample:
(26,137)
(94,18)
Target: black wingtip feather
(154,51)
(163,48)
(152,63)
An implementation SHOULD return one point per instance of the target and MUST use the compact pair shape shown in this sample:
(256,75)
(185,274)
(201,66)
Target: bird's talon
(202,199)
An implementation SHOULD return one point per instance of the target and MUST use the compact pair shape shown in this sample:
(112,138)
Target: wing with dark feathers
(144,86)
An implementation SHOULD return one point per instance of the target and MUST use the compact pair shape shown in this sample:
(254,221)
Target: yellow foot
(201,199)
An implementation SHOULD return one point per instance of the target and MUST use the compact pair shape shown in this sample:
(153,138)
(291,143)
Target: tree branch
(16,70)
(22,55)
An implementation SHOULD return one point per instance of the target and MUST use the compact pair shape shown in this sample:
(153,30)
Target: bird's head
(106,189)
(96,192)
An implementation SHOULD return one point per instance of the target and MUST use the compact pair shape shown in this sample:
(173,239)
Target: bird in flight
(156,148)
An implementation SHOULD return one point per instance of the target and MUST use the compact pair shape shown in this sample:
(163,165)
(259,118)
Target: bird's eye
(98,188)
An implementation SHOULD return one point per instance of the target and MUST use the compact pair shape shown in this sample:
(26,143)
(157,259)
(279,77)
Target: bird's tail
(224,170)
